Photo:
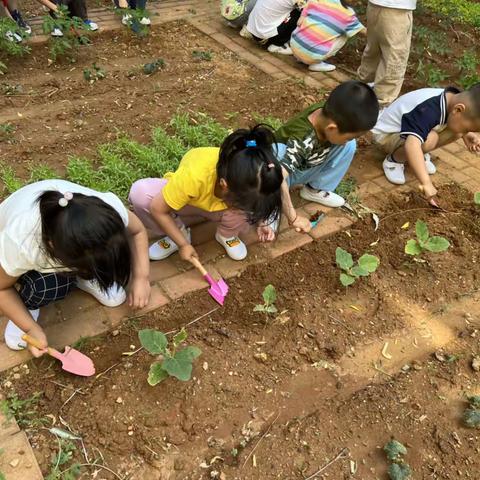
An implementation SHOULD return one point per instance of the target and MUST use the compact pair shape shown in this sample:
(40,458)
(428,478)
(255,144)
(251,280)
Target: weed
(399,469)
(366,265)
(430,74)
(463,11)
(173,362)
(61,460)
(10,181)
(23,411)
(82,343)
(471,416)
(205,56)
(6,131)
(8,28)
(154,66)
(94,74)
(269,299)
(348,190)
(71,27)
(476,198)
(273,122)
(468,64)
(42,172)
(425,242)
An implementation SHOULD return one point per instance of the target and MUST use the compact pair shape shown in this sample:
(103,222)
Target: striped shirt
(321,23)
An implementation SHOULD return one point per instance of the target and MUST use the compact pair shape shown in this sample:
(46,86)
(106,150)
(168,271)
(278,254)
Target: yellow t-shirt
(194,181)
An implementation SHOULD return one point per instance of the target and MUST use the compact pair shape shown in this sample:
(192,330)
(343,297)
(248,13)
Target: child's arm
(416,160)
(301,224)
(161,212)
(48,4)
(13,308)
(139,295)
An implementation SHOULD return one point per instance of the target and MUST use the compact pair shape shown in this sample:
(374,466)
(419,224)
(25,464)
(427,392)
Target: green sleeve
(297,127)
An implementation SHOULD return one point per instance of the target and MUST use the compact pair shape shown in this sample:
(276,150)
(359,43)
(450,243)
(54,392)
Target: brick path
(82,316)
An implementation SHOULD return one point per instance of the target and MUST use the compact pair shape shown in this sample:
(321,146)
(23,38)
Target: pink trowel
(72,360)
(218,289)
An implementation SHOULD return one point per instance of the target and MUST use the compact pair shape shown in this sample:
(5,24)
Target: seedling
(59,463)
(399,469)
(9,32)
(205,56)
(366,265)
(476,198)
(94,74)
(425,242)
(6,131)
(23,411)
(172,362)
(269,299)
(471,416)
(153,67)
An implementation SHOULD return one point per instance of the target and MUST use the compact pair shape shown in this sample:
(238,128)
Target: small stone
(14,463)
(440,356)
(417,365)
(261,357)
(115,333)
(205,366)
(7,384)
(16,369)
(132,347)
(402,274)
(130,433)
(476,363)
(16,376)
(119,400)
(406,368)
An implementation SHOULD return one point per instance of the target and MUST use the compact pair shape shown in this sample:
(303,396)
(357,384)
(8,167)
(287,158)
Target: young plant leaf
(471,418)
(343,258)
(421,230)
(359,271)
(156,374)
(271,309)
(394,450)
(180,337)
(259,308)
(152,341)
(399,471)
(180,366)
(437,244)
(369,262)
(269,295)
(476,198)
(474,401)
(413,248)
(346,280)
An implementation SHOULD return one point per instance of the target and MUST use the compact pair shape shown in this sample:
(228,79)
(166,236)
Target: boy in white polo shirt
(421,121)
(389,35)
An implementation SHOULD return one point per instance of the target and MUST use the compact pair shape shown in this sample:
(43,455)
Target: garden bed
(311,378)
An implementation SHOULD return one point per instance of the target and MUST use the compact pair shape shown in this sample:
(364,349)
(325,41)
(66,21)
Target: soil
(57,113)
(276,397)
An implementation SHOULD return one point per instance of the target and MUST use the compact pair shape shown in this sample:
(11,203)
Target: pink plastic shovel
(72,360)
(218,289)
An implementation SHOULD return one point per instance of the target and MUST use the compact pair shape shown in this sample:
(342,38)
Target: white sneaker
(322,67)
(234,247)
(394,171)
(91,25)
(113,297)
(329,199)
(431,168)
(145,21)
(13,334)
(282,50)
(56,32)
(13,37)
(126,19)
(165,247)
(371,84)
(245,33)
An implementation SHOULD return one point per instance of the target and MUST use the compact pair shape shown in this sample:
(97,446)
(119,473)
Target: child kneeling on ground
(237,185)
(317,146)
(55,236)
(323,29)
(421,121)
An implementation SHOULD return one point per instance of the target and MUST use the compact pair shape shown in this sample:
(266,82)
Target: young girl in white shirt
(55,236)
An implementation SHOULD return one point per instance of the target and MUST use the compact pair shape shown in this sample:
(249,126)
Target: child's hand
(187,252)
(139,294)
(472,142)
(428,190)
(37,332)
(302,224)
(265,233)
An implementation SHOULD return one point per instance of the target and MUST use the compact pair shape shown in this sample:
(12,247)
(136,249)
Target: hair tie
(63,201)
(251,143)
(271,165)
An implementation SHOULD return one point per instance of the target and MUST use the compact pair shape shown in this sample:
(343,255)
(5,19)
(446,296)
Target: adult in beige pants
(389,36)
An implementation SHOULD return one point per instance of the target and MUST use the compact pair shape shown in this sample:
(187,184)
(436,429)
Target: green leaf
(437,244)
(259,308)
(471,417)
(153,341)
(271,309)
(413,248)
(369,262)
(180,366)
(343,258)
(394,450)
(346,280)
(180,337)
(359,271)
(421,230)
(476,198)
(269,295)
(156,374)
(399,471)
(474,401)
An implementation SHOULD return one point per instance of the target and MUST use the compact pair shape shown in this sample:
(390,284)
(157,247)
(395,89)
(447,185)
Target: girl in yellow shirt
(236,185)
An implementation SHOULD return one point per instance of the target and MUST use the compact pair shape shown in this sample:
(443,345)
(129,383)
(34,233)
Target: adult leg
(372,54)
(285,30)
(78,8)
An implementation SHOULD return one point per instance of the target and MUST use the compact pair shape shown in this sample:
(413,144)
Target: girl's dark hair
(248,164)
(87,236)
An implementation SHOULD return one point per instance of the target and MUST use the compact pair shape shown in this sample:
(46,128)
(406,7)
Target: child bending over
(323,29)
(421,121)
(317,146)
(236,185)
(55,236)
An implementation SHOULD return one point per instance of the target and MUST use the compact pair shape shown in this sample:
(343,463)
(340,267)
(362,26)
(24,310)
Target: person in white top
(389,37)
(55,235)
(272,22)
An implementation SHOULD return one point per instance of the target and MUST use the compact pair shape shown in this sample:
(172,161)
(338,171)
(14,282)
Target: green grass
(22,410)
(463,11)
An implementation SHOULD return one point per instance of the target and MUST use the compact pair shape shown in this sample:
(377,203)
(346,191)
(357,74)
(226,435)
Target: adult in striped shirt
(323,29)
